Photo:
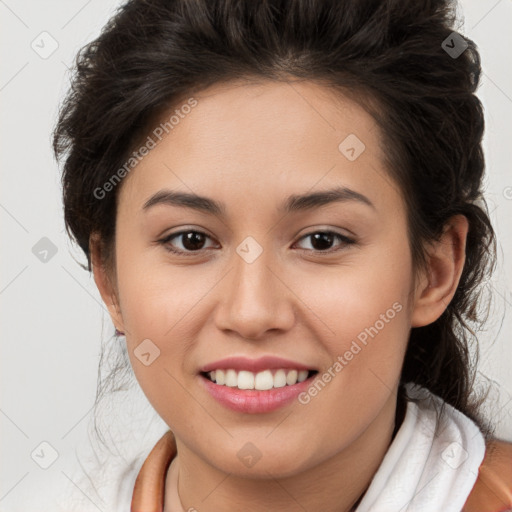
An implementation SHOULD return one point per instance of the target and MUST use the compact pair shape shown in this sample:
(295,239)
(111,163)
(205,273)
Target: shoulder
(492,491)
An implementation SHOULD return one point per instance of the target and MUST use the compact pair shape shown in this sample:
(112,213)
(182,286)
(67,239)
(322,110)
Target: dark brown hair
(390,56)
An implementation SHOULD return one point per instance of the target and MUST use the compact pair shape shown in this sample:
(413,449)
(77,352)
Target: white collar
(424,472)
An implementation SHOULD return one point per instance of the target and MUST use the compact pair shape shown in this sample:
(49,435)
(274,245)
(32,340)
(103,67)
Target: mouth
(254,386)
(260,381)
(256,392)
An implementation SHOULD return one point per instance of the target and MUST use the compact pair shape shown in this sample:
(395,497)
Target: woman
(281,205)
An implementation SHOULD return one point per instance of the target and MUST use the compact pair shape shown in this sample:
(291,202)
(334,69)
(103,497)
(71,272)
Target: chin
(261,458)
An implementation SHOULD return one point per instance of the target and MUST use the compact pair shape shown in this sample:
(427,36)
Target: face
(268,283)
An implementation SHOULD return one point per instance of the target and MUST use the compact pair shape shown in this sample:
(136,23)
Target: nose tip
(255,302)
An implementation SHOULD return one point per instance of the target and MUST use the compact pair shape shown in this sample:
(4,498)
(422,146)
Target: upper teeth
(260,381)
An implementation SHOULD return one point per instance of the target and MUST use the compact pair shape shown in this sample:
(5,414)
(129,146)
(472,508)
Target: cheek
(159,307)
(165,305)
(355,296)
(365,306)
(369,331)
(155,295)
(368,319)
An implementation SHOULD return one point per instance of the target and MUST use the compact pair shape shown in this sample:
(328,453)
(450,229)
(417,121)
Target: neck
(336,485)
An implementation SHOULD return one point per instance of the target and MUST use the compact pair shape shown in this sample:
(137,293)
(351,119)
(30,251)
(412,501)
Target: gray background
(52,320)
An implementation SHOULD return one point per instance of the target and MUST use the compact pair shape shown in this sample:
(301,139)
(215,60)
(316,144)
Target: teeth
(303,375)
(280,379)
(231,379)
(291,377)
(245,380)
(261,381)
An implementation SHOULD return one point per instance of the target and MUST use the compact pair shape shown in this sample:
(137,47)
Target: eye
(191,241)
(322,240)
(194,241)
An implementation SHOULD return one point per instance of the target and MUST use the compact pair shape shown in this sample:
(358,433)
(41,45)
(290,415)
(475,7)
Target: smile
(255,386)
(260,381)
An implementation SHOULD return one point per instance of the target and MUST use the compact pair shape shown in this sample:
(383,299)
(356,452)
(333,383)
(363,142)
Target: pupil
(191,239)
(322,238)
(194,240)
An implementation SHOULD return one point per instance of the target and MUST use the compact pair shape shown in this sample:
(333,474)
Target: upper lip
(254,365)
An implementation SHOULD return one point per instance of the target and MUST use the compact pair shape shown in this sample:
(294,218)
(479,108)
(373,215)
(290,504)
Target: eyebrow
(294,203)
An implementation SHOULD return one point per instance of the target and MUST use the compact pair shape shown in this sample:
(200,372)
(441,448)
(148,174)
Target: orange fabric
(492,491)
(148,491)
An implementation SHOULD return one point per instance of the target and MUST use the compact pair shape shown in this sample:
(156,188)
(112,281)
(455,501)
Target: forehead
(262,137)
(274,115)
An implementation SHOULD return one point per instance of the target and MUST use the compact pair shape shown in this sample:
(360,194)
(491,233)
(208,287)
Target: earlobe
(446,259)
(104,283)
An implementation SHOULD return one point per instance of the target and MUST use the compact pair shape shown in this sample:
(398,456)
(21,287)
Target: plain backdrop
(53,322)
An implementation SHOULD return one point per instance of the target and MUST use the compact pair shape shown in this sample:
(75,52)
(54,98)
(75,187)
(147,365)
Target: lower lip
(252,401)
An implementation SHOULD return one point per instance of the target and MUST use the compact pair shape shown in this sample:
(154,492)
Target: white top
(420,472)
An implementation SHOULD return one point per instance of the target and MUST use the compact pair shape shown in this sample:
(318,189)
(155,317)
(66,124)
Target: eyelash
(165,242)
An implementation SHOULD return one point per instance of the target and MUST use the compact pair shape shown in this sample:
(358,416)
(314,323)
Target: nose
(255,299)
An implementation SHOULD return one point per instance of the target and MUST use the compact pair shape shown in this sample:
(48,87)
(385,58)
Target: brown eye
(322,241)
(191,241)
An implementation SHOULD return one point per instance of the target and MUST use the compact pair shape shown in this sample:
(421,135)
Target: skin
(250,146)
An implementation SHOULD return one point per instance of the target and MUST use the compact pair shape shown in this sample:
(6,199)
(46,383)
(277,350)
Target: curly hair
(389,56)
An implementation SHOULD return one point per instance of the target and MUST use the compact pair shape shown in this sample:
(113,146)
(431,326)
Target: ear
(104,282)
(445,264)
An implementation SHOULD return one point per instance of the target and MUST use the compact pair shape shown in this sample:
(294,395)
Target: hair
(388,56)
